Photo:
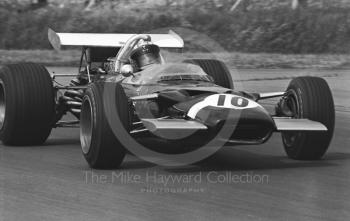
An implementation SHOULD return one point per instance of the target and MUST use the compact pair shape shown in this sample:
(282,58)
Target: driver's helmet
(145,55)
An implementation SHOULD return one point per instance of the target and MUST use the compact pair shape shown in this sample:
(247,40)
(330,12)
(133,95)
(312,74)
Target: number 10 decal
(222,101)
(235,101)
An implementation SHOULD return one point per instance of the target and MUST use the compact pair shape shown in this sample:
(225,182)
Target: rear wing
(57,40)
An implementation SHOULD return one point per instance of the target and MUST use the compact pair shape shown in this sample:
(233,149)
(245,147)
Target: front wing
(164,127)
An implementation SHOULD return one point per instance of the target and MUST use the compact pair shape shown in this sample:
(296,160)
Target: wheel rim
(86,126)
(2,104)
(292,103)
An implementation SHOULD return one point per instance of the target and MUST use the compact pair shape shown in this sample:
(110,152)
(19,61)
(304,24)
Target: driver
(146,55)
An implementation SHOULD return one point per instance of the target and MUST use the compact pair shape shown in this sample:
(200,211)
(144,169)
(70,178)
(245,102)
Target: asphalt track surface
(53,182)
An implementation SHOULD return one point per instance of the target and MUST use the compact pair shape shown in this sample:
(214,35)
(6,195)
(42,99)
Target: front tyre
(100,146)
(311,98)
(27,104)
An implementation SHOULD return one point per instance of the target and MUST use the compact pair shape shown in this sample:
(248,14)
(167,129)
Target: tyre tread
(29,104)
(318,105)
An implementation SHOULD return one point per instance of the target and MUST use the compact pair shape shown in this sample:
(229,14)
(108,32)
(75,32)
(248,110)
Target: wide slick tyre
(311,98)
(27,104)
(100,146)
(216,69)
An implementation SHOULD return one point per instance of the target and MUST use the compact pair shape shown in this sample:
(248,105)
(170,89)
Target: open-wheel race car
(125,76)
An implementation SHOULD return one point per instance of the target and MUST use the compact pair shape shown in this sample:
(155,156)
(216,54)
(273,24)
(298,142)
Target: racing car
(125,89)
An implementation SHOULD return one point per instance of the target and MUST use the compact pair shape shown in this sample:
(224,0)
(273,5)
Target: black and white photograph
(174,110)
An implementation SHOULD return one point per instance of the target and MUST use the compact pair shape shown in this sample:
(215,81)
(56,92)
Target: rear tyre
(100,147)
(27,104)
(311,98)
(217,69)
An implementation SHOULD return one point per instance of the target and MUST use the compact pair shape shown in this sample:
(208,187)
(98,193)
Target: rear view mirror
(127,70)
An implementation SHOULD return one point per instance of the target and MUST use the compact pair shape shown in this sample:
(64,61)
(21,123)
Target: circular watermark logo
(209,49)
